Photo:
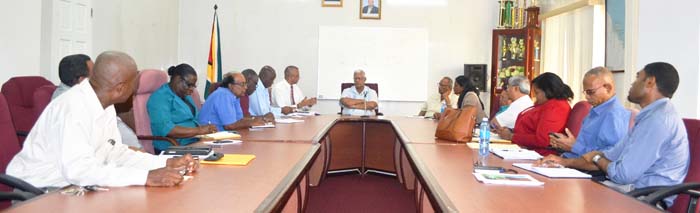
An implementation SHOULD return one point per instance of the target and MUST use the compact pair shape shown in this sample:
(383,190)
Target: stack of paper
(232,159)
(220,136)
(288,121)
(553,172)
(516,154)
(507,179)
(266,125)
(494,139)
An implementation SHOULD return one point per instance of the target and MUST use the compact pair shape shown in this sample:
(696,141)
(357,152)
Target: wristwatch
(596,158)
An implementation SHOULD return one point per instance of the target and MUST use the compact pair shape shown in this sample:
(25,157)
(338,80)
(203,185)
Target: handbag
(457,124)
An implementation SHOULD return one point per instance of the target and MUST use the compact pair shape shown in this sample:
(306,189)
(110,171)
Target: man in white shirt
(76,140)
(518,91)
(359,99)
(433,106)
(288,94)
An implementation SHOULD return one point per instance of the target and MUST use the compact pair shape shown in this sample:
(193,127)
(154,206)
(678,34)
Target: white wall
(20,37)
(669,31)
(280,33)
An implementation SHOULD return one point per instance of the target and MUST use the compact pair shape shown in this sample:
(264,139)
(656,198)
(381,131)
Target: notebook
(516,154)
(232,159)
(220,136)
(553,172)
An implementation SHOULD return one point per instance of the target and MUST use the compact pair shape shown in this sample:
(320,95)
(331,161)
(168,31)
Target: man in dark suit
(370,8)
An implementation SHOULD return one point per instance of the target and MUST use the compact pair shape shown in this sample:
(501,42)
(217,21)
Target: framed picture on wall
(332,3)
(370,9)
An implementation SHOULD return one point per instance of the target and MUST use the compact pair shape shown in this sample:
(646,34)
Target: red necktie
(291,88)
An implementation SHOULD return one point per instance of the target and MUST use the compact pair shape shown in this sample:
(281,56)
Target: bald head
(114,77)
(113,67)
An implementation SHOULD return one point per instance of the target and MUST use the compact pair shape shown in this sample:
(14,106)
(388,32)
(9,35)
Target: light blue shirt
(221,108)
(602,128)
(367,94)
(259,102)
(168,110)
(655,152)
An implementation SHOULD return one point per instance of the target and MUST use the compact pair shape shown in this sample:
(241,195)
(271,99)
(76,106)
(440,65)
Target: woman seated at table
(172,110)
(223,106)
(549,114)
(468,96)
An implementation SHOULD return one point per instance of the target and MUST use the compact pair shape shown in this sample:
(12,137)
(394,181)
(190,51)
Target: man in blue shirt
(655,152)
(605,124)
(259,101)
(223,108)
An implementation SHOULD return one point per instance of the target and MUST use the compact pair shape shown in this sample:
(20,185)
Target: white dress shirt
(507,118)
(367,94)
(76,141)
(434,104)
(282,95)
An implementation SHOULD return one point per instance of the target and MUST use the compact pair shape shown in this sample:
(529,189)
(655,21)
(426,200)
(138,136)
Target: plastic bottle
(484,141)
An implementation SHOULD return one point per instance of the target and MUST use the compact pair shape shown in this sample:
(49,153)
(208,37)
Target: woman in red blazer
(549,114)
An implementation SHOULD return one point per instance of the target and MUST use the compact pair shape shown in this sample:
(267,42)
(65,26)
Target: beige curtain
(573,43)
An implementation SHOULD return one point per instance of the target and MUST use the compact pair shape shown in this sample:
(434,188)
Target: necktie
(291,88)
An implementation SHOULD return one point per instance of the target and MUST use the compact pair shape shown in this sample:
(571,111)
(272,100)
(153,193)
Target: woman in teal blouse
(172,110)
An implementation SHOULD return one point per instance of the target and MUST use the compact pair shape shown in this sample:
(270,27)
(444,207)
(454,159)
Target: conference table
(292,158)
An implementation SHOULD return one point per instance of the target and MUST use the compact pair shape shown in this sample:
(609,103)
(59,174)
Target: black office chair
(27,190)
(373,86)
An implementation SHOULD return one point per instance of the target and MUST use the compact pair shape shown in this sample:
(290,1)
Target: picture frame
(370,9)
(332,3)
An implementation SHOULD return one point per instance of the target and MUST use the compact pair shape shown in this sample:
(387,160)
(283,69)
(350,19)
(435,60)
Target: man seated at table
(172,110)
(223,108)
(518,91)
(606,123)
(252,81)
(72,70)
(655,152)
(288,94)
(260,101)
(433,106)
(358,99)
(76,141)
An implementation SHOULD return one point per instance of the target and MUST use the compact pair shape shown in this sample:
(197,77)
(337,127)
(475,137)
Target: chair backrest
(578,112)
(373,86)
(245,104)
(692,127)
(42,97)
(19,93)
(149,82)
(197,99)
(9,143)
(633,114)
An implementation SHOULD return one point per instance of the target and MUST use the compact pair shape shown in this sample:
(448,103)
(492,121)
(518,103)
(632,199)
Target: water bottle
(484,140)
(443,107)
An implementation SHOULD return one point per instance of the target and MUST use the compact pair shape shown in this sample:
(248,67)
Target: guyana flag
(214,63)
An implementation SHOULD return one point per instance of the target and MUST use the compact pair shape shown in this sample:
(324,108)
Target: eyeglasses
(242,84)
(189,85)
(591,91)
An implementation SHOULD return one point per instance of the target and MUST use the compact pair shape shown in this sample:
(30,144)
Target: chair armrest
(19,184)
(21,196)
(161,138)
(645,191)
(685,188)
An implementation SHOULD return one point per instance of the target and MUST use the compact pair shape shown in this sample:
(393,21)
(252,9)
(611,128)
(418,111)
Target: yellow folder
(232,159)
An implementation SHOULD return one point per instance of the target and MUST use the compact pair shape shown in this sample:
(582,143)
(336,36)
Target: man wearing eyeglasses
(606,123)
(223,107)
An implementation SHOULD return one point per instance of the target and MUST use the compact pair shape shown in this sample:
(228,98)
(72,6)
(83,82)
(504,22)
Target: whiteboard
(394,58)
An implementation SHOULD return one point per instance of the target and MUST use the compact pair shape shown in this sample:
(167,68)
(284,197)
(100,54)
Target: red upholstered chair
(149,82)
(10,147)
(576,116)
(633,114)
(42,97)
(19,93)
(245,104)
(373,86)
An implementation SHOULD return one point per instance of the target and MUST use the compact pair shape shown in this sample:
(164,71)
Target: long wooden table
(292,157)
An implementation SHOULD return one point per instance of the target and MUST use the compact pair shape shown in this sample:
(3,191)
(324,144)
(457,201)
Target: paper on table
(516,154)
(495,145)
(220,136)
(223,142)
(232,159)
(494,139)
(508,179)
(553,172)
(288,121)
(267,125)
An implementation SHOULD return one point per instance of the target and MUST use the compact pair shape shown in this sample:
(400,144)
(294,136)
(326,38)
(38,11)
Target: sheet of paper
(223,142)
(516,154)
(507,179)
(494,145)
(288,121)
(267,125)
(553,172)
(220,135)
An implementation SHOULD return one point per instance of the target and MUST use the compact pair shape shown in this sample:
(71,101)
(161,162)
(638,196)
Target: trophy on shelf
(504,49)
(514,48)
(501,14)
(521,46)
(537,51)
